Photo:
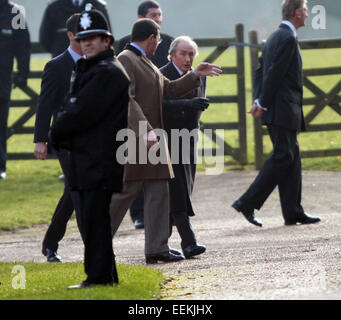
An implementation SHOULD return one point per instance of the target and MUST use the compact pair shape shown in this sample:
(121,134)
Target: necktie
(76,2)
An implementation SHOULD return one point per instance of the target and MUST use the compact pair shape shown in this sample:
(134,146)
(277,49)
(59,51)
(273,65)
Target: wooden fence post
(241,93)
(257,123)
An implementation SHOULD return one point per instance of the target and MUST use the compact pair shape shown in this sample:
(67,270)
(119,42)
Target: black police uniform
(14,43)
(96,109)
(52,33)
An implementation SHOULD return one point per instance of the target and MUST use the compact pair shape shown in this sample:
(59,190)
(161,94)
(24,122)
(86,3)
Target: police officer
(52,34)
(96,109)
(14,42)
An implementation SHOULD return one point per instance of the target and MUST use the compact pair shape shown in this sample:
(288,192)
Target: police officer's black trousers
(95,227)
(4,110)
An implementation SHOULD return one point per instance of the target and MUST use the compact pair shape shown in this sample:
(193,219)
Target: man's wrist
(259,105)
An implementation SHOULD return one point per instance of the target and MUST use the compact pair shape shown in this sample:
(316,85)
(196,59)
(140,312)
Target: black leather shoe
(164,257)
(193,250)
(52,256)
(304,219)
(174,251)
(86,284)
(249,214)
(139,224)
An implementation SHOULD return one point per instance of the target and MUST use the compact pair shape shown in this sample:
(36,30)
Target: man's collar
(138,48)
(176,67)
(291,26)
(75,56)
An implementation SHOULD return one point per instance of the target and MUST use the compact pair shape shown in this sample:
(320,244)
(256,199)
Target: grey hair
(174,45)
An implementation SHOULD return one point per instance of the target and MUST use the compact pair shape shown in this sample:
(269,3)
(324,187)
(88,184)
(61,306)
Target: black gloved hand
(19,81)
(197,103)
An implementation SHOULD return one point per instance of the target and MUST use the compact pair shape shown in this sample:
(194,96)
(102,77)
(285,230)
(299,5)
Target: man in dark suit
(96,110)
(52,33)
(278,100)
(151,10)
(183,113)
(14,43)
(54,86)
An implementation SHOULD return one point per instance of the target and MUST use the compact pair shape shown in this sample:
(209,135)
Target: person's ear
(298,13)
(151,37)
(70,35)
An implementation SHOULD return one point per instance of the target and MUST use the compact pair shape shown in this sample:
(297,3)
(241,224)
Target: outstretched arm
(207,69)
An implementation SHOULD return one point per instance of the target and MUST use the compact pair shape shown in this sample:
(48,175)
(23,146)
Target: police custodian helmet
(91,23)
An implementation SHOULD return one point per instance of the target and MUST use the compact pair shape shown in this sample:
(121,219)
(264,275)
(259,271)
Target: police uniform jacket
(96,110)
(178,116)
(53,33)
(147,90)
(14,43)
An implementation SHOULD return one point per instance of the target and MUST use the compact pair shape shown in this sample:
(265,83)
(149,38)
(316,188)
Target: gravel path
(242,261)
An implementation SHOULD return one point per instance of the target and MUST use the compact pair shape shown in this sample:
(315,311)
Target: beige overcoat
(148,87)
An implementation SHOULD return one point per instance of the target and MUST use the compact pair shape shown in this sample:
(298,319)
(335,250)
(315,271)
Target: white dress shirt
(75,56)
(291,26)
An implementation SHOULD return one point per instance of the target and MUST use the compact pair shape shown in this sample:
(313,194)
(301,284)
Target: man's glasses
(158,39)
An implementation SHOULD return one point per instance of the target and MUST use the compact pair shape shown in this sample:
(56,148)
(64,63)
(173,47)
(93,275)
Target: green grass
(30,193)
(49,281)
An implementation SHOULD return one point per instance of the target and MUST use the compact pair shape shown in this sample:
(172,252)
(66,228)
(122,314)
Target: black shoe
(164,257)
(86,284)
(249,214)
(138,223)
(52,256)
(193,250)
(175,252)
(304,219)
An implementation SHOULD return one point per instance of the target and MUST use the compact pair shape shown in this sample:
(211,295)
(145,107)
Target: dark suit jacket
(160,57)
(279,81)
(178,116)
(54,87)
(95,110)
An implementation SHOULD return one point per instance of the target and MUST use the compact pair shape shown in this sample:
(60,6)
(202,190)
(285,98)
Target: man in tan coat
(147,89)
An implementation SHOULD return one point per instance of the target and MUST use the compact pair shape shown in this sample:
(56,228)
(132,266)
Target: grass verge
(49,281)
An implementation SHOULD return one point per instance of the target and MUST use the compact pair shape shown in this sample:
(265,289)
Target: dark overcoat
(178,116)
